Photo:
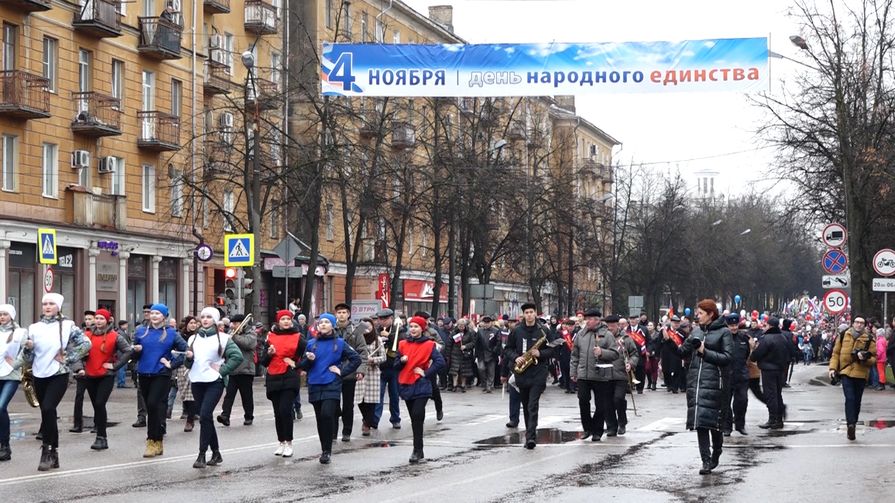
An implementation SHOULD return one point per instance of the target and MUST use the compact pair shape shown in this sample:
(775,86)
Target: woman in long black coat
(710,347)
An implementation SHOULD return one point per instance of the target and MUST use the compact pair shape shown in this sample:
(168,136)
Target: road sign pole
(885,308)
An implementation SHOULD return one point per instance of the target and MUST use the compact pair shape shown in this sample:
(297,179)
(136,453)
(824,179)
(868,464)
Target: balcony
(590,165)
(96,210)
(217,79)
(217,6)
(159,132)
(262,93)
(369,125)
(260,17)
(24,95)
(159,38)
(403,136)
(28,5)
(100,18)
(98,115)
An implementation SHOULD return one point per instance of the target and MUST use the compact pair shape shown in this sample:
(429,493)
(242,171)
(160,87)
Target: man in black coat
(739,377)
(487,352)
(672,367)
(533,381)
(773,355)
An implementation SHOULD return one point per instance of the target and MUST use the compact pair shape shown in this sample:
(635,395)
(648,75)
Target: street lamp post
(248,60)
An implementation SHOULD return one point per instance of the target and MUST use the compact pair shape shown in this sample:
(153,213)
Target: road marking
(487,419)
(122,466)
(665,424)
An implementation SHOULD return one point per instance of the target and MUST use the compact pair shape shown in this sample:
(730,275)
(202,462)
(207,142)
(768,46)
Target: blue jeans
(515,404)
(388,380)
(853,389)
(873,379)
(122,377)
(7,391)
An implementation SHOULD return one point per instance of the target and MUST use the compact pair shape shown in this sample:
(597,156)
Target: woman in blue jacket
(153,344)
(327,359)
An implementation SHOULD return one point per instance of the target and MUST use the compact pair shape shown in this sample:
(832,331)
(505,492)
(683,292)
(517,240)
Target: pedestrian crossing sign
(240,250)
(46,246)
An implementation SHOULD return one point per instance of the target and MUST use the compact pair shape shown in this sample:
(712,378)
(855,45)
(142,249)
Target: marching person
(141,404)
(622,372)
(285,345)
(637,334)
(153,344)
(326,359)
(653,349)
(487,350)
(709,347)
(521,350)
(243,377)
(739,377)
(773,354)
(188,327)
(388,376)
(418,362)
(672,366)
(12,338)
(506,371)
(367,393)
(54,343)
(211,356)
(109,351)
(564,354)
(594,351)
(853,355)
(80,387)
(462,351)
(350,333)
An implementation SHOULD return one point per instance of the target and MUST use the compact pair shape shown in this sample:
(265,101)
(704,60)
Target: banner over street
(446,70)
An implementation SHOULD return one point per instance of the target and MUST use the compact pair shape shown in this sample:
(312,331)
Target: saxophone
(528,357)
(28,386)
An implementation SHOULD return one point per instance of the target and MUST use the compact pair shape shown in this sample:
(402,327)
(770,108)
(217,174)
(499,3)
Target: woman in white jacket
(11,338)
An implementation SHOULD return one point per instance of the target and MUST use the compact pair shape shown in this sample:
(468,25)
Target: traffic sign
(884,284)
(835,301)
(48,280)
(239,250)
(834,261)
(884,262)
(838,281)
(834,235)
(46,246)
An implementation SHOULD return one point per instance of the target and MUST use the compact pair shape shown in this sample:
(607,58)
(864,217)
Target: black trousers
(367,412)
(674,374)
(154,389)
(619,399)
(243,384)
(417,410)
(346,411)
(531,402)
(602,393)
(282,412)
(565,358)
(50,391)
(709,448)
(773,380)
(325,410)
(99,389)
(736,405)
(141,403)
(640,375)
(78,412)
(436,395)
(207,395)
(755,386)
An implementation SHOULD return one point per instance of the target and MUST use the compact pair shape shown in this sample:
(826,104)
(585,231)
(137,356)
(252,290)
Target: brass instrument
(28,386)
(528,357)
(242,325)
(632,381)
(392,351)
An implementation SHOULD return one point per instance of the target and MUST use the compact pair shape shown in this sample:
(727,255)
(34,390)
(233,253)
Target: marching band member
(11,338)
(367,395)
(54,343)
(419,361)
(285,346)
(211,357)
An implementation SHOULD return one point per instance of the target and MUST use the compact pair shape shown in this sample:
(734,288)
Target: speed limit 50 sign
(836,301)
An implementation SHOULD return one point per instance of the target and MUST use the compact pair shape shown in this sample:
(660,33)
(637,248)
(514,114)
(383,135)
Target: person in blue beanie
(326,360)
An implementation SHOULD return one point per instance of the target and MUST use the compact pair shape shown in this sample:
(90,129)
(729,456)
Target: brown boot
(189,425)
(150,449)
(159,447)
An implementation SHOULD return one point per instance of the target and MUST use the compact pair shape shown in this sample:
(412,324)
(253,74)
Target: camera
(834,380)
(860,355)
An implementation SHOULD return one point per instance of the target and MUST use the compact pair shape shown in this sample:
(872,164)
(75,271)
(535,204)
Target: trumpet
(242,325)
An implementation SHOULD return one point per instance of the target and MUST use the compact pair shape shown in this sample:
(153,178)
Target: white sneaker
(287,450)
(280,449)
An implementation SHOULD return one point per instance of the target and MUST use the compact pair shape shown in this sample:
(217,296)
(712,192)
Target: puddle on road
(380,444)
(545,436)
(787,433)
(880,424)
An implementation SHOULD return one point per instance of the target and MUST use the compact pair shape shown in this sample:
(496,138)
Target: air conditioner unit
(80,159)
(215,41)
(226,120)
(107,164)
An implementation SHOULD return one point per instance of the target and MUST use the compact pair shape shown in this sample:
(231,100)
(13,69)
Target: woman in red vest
(284,349)
(419,361)
(109,351)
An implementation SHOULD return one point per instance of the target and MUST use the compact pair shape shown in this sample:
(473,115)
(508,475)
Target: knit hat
(104,313)
(283,312)
(419,320)
(8,309)
(55,298)
(209,311)
(329,317)
(160,308)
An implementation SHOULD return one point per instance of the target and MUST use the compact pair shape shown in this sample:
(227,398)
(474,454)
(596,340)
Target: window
(10,33)
(10,161)
(229,206)
(84,177)
(204,212)
(346,21)
(50,170)
(330,231)
(226,127)
(380,31)
(274,219)
(148,188)
(175,180)
(228,52)
(364,36)
(84,71)
(176,97)
(275,62)
(118,178)
(148,91)
(149,8)
(51,57)
(278,6)
(118,79)
(328,14)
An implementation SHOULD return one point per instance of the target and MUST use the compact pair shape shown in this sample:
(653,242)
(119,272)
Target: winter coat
(11,334)
(46,336)
(368,388)
(707,389)
(329,350)
(487,345)
(626,348)
(584,365)
(354,336)
(462,353)
(522,338)
(671,358)
(157,343)
(247,343)
(882,346)
(842,360)
(739,371)
(774,351)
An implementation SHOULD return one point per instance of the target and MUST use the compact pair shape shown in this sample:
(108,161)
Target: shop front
(419,294)
(21,281)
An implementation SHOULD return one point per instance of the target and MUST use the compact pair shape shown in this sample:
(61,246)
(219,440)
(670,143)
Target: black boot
(325,458)
(200,461)
(716,456)
(706,468)
(100,444)
(216,458)
(76,429)
(415,457)
(5,453)
(224,420)
(54,457)
(46,462)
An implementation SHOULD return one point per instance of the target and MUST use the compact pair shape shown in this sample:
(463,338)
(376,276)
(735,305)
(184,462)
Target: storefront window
(136,287)
(167,285)
(20,285)
(64,274)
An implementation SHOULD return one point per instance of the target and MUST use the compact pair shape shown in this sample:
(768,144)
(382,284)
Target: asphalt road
(471,456)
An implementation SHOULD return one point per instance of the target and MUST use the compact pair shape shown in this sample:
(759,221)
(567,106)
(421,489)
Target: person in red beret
(418,361)
(284,346)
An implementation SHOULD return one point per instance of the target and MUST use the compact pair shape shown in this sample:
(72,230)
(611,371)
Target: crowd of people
(715,358)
